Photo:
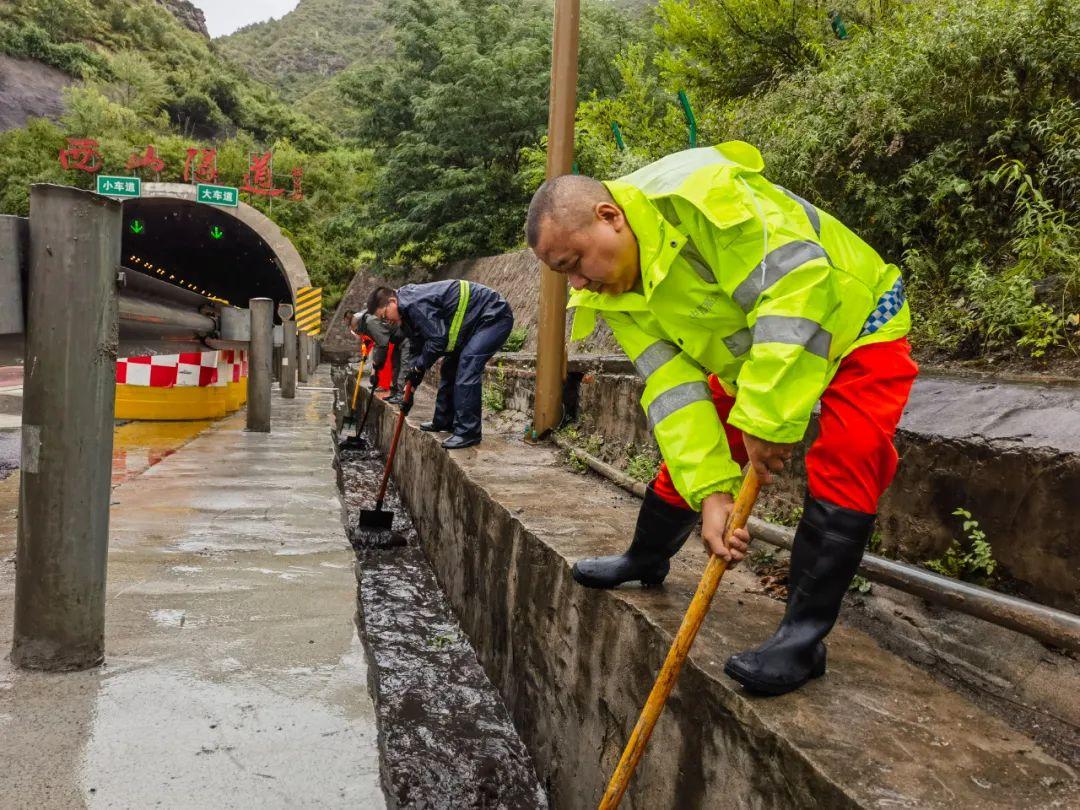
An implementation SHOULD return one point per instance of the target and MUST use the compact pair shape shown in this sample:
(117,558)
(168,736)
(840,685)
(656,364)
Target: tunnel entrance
(203,249)
(229,254)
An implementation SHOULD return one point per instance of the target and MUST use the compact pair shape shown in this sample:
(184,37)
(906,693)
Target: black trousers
(459,401)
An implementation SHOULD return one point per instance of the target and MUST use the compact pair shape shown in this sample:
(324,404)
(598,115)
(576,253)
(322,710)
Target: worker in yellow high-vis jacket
(742,305)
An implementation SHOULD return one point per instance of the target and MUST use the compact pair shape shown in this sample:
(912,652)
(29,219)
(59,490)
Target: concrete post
(13,244)
(259,364)
(288,360)
(303,366)
(67,430)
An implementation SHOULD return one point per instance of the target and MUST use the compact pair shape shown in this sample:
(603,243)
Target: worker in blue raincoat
(463,322)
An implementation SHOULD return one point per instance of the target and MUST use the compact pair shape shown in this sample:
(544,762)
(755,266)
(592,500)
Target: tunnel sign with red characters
(200,167)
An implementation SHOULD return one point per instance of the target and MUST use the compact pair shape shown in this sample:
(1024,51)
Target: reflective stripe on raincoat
(744,279)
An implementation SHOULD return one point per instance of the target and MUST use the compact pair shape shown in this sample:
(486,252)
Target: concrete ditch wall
(1009,454)
(501,524)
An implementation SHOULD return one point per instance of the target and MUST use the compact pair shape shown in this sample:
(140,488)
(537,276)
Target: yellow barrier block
(180,403)
(236,394)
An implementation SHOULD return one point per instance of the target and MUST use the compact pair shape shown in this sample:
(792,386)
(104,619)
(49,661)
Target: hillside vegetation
(301,53)
(946,133)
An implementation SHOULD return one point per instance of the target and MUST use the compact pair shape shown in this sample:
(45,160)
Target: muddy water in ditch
(446,738)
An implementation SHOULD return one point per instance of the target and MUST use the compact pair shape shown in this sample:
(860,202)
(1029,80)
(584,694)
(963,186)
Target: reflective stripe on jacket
(744,279)
(441,316)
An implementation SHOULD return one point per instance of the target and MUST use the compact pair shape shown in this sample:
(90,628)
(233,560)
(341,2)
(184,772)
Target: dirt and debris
(445,736)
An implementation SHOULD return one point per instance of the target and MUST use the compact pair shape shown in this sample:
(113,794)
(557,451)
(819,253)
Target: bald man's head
(577,228)
(569,199)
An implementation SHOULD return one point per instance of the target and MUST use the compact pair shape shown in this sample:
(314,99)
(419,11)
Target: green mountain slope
(314,42)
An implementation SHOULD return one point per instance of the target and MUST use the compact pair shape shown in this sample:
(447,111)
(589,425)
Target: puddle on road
(445,736)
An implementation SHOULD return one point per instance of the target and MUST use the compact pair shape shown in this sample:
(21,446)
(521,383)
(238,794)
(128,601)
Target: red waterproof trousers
(852,461)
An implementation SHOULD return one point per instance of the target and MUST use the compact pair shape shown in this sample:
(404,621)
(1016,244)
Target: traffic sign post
(119,186)
(227,196)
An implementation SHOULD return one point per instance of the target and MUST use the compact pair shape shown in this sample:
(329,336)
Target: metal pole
(13,244)
(67,430)
(259,364)
(288,360)
(551,312)
(302,367)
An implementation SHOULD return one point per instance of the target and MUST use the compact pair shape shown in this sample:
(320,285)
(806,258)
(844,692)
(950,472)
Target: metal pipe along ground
(1056,627)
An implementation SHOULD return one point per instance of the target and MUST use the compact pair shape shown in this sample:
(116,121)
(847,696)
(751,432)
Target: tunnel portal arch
(230,253)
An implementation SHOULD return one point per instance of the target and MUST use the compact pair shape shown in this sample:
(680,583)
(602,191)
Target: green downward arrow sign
(216,232)
(137,226)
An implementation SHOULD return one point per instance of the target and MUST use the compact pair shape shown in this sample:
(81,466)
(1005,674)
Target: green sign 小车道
(217,195)
(119,186)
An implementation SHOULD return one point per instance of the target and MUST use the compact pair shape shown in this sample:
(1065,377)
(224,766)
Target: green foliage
(300,53)
(29,41)
(946,134)
(976,563)
(642,465)
(860,584)
(493,393)
(783,515)
(761,559)
(516,339)
(585,445)
(450,112)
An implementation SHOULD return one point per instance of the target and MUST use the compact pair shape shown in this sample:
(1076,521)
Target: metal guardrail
(68,306)
(155,317)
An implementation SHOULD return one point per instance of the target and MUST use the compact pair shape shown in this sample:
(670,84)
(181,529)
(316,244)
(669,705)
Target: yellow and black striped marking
(309,310)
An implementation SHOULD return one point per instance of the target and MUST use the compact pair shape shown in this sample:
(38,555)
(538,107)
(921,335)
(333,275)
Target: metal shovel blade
(375,519)
(353,442)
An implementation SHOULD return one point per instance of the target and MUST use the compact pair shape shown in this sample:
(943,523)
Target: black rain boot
(660,533)
(828,547)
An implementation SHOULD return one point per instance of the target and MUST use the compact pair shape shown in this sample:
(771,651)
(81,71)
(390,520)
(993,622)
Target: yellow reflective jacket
(744,279)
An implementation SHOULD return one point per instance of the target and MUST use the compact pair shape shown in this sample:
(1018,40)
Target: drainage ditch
(445,737)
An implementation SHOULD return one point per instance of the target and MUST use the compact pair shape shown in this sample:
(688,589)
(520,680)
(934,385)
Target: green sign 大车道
(217,195)
(119,186)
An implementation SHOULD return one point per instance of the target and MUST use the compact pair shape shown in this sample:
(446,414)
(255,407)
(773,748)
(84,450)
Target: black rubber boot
(828,546)
(660,533)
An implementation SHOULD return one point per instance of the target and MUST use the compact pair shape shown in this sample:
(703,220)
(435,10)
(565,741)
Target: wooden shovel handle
(393,447)
(359,377)
(680,649)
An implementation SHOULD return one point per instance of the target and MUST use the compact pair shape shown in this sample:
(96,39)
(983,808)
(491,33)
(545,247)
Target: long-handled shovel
(350,420)
(357,440)
(680,649)
(378,518)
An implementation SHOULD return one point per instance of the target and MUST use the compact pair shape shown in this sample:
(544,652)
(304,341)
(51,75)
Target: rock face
(29,89)
(188,14)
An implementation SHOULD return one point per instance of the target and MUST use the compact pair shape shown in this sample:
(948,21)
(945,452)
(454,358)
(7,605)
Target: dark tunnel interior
(203,249)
